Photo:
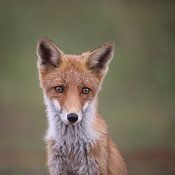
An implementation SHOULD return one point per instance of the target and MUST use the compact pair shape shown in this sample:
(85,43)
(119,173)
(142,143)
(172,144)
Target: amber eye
(59,89)
(85,90)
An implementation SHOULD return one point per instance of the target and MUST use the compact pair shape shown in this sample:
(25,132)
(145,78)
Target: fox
(77,138)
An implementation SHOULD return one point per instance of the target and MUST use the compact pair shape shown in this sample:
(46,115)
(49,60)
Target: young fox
(77,138)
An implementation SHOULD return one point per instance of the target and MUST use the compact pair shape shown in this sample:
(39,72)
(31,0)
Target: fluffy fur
(83,147)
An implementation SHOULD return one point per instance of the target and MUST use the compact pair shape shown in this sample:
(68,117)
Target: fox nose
(72,117)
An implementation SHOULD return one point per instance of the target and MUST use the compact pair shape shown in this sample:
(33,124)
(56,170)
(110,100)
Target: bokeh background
(138,96)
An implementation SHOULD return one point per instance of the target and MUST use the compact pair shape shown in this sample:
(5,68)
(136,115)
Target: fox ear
(99,58)
(49,55)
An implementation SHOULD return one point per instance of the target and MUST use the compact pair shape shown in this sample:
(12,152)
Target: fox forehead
(72,71)
(57,68)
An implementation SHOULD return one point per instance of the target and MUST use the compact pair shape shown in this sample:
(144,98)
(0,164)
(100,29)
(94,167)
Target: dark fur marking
(45,53)
(104,58)
(101,60)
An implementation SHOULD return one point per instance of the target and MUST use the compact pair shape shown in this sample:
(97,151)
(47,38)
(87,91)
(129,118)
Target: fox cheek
(85,106)
(57,105)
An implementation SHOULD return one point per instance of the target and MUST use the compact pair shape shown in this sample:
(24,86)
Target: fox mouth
(70,117)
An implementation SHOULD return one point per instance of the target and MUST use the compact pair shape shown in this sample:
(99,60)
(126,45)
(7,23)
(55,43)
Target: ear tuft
(100,57)
(49,55)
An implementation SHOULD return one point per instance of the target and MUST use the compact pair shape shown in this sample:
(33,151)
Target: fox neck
(60,132)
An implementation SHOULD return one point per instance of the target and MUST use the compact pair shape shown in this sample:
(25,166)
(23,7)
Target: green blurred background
(138,96)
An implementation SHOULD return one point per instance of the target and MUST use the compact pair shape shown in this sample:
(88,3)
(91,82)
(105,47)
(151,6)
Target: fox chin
(77,138)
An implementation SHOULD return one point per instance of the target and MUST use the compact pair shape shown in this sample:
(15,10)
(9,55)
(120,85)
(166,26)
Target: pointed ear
(49,55)
(98,59)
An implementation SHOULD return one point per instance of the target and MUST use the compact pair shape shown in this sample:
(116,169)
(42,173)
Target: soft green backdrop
(138,96)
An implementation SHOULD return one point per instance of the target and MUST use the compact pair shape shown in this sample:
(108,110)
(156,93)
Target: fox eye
(59,89)
(85,90)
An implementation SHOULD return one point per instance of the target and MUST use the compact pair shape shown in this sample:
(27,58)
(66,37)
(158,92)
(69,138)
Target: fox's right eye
(85,90)
(59,89)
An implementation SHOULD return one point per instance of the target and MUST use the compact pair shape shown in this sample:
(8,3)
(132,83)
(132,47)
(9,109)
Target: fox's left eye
(85,90)
(59,89)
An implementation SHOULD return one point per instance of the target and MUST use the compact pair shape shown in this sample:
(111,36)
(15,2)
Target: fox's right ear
(99,58)
(49,55)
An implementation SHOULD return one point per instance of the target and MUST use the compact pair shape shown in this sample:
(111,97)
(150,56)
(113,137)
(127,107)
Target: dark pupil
(59,89)
(85,90)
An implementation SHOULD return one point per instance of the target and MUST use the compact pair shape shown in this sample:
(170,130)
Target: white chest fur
(72,143)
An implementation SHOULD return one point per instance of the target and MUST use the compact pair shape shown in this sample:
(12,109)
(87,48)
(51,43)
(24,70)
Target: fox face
(71,82)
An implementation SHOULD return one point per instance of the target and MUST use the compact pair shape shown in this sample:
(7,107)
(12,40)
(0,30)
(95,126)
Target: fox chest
(75,158)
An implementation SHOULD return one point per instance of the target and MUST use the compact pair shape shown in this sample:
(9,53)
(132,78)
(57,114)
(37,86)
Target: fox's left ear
(49,55)
(98,59)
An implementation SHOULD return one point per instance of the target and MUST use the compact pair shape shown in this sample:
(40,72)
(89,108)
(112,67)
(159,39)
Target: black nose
(72,117)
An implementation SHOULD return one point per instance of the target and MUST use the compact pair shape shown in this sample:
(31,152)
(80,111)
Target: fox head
(71,82)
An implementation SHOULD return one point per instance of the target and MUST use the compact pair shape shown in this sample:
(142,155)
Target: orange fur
(111,161)
(75,72)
